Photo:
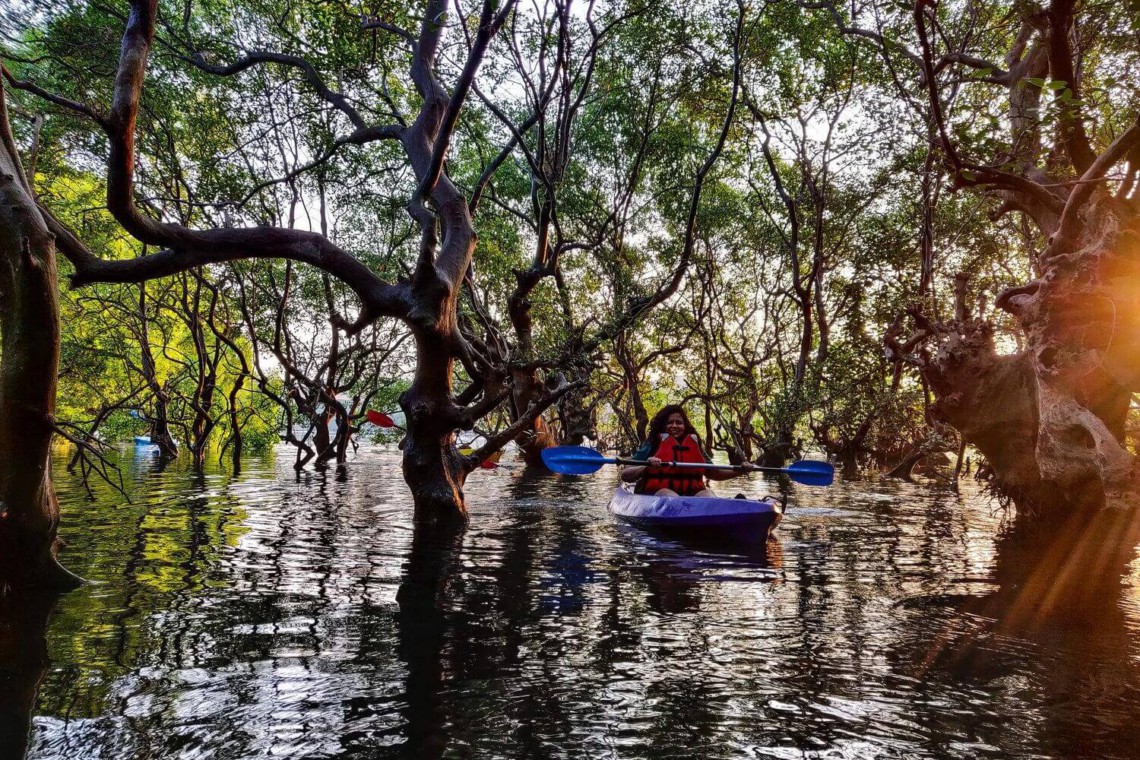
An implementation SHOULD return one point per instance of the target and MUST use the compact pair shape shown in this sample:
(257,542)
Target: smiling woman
(673,439)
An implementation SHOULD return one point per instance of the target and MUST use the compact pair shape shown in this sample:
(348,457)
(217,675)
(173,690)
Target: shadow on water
(23,664)
(1058,602)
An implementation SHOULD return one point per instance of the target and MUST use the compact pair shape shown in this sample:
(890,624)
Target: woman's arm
(634,473)
(722,474)
(726,474)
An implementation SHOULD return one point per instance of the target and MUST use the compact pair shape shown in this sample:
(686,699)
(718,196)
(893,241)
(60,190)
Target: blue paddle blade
(811,473)
(573,460)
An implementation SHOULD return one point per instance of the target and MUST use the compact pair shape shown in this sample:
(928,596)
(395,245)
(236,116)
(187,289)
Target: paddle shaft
(579,460)
(693,465)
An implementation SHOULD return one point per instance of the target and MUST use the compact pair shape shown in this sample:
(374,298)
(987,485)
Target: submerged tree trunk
(777,452)
(1050,418)
(29,360)
(904,470)
(433,466)
(526,390)
(577,417)
(160,434)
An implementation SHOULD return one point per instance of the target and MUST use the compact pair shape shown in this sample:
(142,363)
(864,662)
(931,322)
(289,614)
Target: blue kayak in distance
(737,520)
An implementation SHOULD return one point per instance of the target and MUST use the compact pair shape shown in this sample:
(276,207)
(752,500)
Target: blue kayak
(733,519)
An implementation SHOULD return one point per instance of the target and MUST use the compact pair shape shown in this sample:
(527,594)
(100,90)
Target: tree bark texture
(433,466)
(1050,418)
(29,361)
(577,419)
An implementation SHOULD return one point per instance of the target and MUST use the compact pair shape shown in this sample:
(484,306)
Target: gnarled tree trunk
(1050,418)
(526,389)
(29,360)
(577,417)
(433,467)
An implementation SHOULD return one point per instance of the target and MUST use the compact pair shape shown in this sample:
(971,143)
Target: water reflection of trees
(161,613)
(818,667)
(1057,608)
(308,618)
(23,663)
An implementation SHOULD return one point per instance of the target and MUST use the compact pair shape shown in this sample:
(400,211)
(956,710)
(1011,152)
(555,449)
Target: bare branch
(39,92)
(336,99)
(524,422)
(1066,235)
(187,248)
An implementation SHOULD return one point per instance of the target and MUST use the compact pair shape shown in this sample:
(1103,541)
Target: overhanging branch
(524,422)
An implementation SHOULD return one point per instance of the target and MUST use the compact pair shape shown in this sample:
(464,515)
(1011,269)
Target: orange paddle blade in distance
(380,419)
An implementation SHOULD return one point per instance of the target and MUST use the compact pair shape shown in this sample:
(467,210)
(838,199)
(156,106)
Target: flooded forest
(569,378)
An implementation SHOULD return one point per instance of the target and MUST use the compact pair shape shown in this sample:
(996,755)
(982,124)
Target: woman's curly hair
(657,424)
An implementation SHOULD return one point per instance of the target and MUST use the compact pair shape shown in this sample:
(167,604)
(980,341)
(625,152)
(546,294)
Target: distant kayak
(144,440)
(730,519)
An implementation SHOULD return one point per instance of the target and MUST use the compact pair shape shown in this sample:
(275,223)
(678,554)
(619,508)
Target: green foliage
(806,252)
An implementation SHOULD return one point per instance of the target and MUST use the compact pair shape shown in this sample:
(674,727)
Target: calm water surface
(265,616)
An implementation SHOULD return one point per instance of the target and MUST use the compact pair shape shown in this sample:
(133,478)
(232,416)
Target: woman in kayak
(672,438)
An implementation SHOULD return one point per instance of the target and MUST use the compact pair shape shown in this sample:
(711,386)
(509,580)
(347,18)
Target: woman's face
(675,425)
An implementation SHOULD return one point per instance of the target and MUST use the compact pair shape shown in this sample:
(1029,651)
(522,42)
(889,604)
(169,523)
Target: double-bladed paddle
(579,460)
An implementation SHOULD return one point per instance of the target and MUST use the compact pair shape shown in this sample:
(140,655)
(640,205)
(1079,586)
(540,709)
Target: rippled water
(266,616)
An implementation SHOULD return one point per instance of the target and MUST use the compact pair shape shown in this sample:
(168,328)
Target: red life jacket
(684,482)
